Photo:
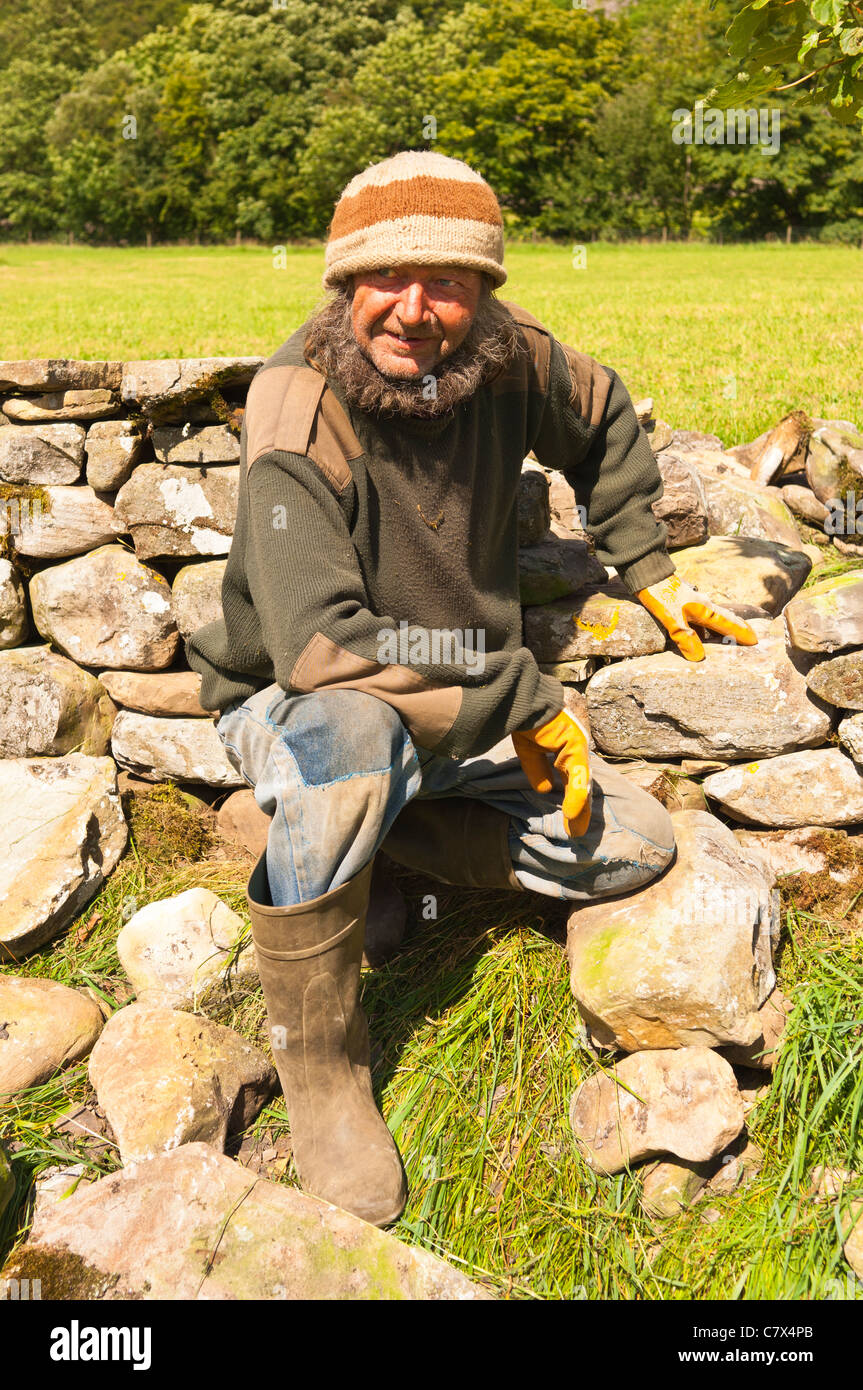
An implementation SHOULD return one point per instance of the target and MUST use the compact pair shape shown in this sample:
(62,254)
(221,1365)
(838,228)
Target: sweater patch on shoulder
(590,385)
(532,366)
(290,408)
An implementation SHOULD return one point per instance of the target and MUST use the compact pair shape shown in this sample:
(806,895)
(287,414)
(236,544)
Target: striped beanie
(418,207)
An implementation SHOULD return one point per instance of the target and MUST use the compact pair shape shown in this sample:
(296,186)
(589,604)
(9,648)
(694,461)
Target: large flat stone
(552,568)
(50,706)
(739,702)
(43,1025)
(165,385)
(534,514)
(182,750)
(744,569)
(106,609)
(827,616)
(686,961)
(175,510)
(598,621)
(60,374)
(62,830)
(739,507)
(152,1231)
(820,786)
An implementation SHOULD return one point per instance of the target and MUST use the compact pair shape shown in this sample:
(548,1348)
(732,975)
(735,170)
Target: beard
(489,347)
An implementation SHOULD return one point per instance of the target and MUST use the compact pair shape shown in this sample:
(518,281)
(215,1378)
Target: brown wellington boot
(309,962)
(455,839)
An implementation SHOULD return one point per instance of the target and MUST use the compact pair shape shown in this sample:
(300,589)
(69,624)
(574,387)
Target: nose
(411,307)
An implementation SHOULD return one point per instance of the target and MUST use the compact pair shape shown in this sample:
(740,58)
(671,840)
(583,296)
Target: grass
(725,339)
(477,1049)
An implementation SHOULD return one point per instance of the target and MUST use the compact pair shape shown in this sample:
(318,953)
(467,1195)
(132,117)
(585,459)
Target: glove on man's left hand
(676,605)
(563,737)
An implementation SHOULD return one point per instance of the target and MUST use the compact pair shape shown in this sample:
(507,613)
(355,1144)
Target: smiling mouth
(410,343)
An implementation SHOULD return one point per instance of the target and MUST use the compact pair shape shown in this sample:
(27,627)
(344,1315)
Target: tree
(814,46)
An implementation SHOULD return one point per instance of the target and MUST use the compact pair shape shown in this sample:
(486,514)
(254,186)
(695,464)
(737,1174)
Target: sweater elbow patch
(427,709)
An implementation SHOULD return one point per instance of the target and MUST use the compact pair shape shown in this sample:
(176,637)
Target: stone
(851,736)
(660,434)
(565,510)
(61,405)
(687,960)
(744,569)
(240,818)
(808,849)
(60,374)
(753,1086)
(534,512)
(175,510)
(176,749)
(819,786)
(7,1183)
(604,621)
(739,507)
(762,1054)
(667,783)
(739,1166)
(162,387)
(827,616)
(803,502)
(852,1248)
(551,568)
(197,594)
(684,441)
(682,1102)
(181,949)
(202,444)
(191,1079)
(113,447)
(194,1224)
(162,693)
(683,505)
(50,706)
(106,609)
(41,453)
(827,1183)
(714,461)
(839,680)
(63,830)
(43,1025)
(825,473)
(68,521)
(669,1187)
(571,672)
(56,1184)
(739,702)
(14,624)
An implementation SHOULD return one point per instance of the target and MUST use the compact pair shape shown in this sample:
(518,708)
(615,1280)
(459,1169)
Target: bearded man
(381,451)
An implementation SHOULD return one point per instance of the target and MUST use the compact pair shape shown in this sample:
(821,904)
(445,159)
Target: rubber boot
(386,919)
(456,839)
(309,962)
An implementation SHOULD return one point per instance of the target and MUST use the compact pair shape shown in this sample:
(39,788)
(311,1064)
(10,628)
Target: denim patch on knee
(337,734)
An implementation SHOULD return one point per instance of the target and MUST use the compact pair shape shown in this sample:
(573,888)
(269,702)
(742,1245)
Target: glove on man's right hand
(564,737)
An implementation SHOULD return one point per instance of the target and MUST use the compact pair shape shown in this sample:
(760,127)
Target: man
(369,669)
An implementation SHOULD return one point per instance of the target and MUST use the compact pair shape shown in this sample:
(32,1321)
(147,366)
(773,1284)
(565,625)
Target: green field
(688,324)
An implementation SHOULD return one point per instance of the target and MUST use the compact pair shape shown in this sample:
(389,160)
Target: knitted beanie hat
(418,207)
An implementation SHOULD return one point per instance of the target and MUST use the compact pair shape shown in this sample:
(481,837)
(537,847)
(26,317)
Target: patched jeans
(334,768)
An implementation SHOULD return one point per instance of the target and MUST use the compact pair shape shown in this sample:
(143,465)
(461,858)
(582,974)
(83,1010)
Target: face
(408,318)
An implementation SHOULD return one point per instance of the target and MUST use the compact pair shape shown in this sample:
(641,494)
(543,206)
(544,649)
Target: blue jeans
(334,768)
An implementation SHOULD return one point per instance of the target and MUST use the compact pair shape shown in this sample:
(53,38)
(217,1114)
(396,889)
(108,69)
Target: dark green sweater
(421,527)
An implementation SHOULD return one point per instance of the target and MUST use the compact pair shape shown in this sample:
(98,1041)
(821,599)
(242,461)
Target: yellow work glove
(564,737)
(675,605)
